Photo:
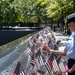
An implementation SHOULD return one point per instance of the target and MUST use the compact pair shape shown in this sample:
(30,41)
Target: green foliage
(7,12)
(34,10)
(59,8)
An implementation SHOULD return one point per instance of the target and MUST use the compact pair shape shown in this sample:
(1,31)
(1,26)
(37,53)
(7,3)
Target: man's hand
(45,48)
(69,71)
(72,69)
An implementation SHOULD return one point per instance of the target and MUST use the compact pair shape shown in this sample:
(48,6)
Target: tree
(39,11)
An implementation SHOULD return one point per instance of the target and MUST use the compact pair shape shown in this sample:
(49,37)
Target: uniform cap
(71,18)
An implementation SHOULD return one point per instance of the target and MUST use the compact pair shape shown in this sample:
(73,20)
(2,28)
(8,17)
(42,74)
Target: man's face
(71,26)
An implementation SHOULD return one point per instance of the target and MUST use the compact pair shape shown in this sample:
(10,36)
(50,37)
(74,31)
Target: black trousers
(71,62)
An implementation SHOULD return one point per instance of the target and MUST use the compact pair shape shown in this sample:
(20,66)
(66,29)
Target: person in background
(69,50)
